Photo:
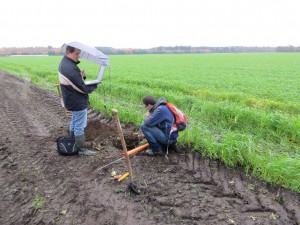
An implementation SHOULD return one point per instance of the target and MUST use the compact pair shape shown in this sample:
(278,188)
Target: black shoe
(158,153)
(150,152)
(171,148)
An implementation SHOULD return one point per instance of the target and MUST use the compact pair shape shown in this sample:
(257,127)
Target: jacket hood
(161,101)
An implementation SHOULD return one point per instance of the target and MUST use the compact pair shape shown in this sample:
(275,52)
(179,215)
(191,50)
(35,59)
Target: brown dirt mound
(38,186)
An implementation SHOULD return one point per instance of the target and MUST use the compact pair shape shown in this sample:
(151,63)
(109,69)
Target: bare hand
(83,73)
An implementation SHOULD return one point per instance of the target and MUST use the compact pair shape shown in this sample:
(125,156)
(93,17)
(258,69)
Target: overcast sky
(149,23)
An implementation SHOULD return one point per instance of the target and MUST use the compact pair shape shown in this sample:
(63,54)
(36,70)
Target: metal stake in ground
(131,186)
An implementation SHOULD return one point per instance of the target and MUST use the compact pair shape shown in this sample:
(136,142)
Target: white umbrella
(89,53)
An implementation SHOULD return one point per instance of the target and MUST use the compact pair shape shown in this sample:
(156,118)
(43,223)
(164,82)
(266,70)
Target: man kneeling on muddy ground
(75,96)
(156,126)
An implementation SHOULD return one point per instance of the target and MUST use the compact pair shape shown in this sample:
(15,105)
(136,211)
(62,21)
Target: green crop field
(243,109)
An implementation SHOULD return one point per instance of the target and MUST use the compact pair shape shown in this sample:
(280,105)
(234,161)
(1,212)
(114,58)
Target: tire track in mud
(23,129)
(25,116)
(207,191)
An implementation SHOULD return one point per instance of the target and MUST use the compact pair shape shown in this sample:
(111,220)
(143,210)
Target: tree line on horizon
(51,51)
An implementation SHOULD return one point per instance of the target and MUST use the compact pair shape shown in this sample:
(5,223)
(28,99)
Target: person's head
(149,101)
(72,53)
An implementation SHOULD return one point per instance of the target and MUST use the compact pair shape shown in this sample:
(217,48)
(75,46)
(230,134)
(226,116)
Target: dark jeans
(155,137)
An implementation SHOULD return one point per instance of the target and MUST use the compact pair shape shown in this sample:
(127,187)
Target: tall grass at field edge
(240,150)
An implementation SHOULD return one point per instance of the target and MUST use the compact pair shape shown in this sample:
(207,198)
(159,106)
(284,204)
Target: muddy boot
(173,147)
(152,152)
(80,143)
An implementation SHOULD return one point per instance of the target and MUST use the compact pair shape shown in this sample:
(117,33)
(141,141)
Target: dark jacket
(74,100)
(161,117)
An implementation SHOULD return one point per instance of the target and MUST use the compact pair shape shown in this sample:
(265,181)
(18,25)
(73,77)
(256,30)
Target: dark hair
(149,99)
(70,49)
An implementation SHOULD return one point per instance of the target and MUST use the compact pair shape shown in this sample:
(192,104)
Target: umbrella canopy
(89,53)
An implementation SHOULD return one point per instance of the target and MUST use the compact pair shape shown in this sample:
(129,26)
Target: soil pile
(38,186)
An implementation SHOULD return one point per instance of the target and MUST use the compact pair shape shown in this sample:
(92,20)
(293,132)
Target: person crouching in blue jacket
(157,125)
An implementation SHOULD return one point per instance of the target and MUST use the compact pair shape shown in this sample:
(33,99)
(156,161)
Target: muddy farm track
(38,186)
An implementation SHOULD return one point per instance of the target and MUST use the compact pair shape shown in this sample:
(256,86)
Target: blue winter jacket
(161,117)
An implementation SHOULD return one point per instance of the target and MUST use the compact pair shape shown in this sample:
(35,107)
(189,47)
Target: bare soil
(38,186)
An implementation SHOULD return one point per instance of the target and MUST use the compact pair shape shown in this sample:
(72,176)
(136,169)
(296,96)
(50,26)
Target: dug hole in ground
(38,186)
